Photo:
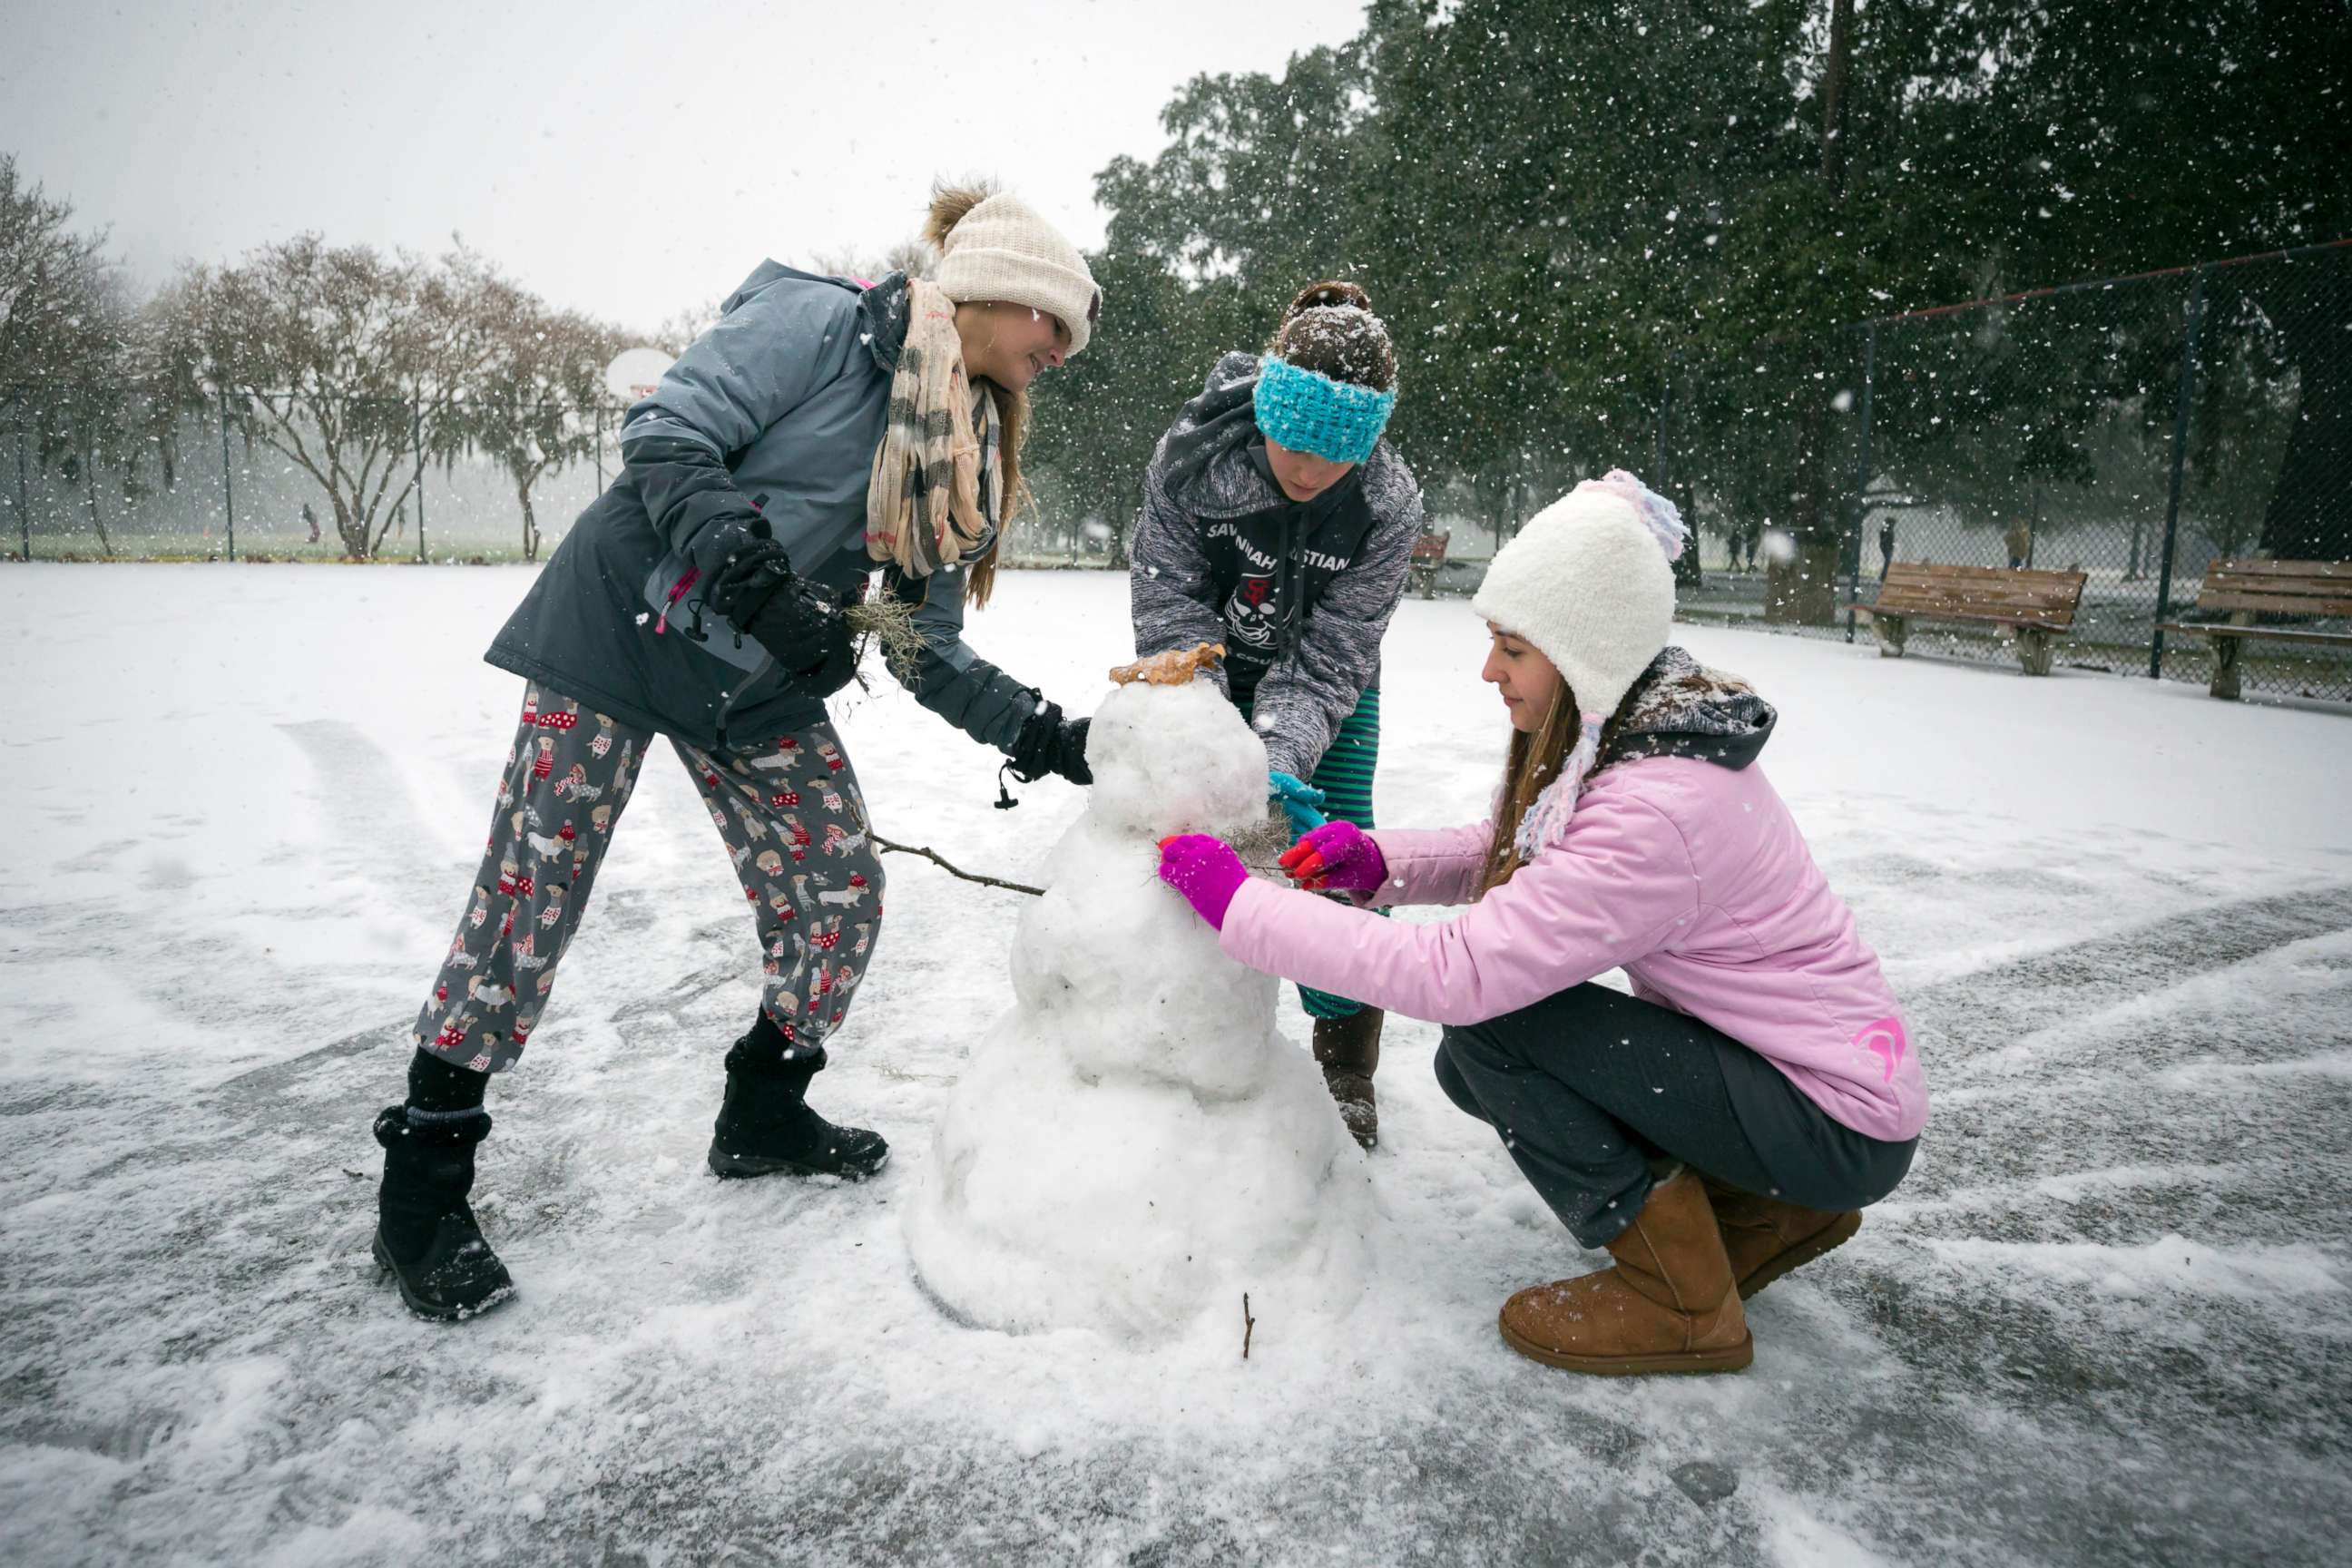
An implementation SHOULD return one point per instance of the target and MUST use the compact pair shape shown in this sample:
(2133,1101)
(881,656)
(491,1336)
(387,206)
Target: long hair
(949,206)
(1533,761)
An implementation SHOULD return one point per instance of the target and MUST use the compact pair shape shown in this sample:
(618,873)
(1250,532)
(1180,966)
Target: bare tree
(343,361)
(532,406)
(65,342)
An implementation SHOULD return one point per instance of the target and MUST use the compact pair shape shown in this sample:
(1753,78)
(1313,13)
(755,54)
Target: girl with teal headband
(1278,522)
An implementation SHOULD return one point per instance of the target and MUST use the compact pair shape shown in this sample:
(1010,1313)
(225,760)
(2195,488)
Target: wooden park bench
(1428,556)
(2242,590)
(2033,606)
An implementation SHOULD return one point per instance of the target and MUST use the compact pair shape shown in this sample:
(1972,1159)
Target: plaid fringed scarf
(936,488)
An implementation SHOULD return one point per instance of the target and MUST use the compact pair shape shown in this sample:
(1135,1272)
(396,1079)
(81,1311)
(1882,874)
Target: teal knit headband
(1310,412)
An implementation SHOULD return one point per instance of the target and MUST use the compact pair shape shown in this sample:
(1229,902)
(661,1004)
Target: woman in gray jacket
(823,430)
(1278,522)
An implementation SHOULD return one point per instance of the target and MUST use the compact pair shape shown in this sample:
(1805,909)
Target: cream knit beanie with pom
(1001,249)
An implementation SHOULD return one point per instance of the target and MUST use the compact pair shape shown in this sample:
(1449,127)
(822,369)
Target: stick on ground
(1249,1324)
(953,870)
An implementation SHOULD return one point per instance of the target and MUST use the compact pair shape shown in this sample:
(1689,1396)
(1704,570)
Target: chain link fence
(124,473)
(2139,431)
(2135,430)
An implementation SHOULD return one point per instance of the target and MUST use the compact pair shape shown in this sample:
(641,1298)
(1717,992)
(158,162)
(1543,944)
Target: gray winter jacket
(764,428)
(1299,593)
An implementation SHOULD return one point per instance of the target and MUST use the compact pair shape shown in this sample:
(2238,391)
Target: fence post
(2179,456)
(1658,444)
(417,433)
(228,479)
(24,495)
(1860,476)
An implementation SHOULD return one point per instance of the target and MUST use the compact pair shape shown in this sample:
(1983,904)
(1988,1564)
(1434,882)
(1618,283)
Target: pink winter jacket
(1691,875)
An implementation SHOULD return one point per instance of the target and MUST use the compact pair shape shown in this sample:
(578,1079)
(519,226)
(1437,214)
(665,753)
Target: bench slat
(2276,604)
(2289,570)
(1975,596)
(2268,634)
(1916,572)
(2290,587)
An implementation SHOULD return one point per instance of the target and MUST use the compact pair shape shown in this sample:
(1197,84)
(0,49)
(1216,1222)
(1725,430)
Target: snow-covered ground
(2107,1320)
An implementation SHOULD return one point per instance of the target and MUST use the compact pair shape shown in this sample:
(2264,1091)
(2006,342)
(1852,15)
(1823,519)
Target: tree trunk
(1802,589)
(89,485)
(350,527)
(530,523)
(2309,517)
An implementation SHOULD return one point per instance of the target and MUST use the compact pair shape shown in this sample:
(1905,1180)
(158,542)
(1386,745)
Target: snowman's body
(1135,1144)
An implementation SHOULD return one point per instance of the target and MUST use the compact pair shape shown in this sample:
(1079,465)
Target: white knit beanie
(1001,249)
(1590,580)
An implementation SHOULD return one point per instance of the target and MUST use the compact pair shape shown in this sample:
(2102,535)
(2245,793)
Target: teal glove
(1301,802)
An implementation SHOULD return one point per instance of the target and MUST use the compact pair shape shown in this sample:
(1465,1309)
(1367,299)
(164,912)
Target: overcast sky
(627,159)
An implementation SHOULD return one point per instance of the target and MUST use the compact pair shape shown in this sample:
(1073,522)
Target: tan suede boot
(1348,1051)
(1765,1238)
(1668,1306)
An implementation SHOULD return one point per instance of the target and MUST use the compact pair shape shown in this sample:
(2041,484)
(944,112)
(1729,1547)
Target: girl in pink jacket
(1724,1123)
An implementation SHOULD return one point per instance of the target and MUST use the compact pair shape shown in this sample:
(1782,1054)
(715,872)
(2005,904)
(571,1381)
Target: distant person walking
(313,519)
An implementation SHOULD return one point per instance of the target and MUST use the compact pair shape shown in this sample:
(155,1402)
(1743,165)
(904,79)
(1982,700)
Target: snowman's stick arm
(953,870)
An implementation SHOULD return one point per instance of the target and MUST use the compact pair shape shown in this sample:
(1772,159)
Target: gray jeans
(1587,1087)
(788,811)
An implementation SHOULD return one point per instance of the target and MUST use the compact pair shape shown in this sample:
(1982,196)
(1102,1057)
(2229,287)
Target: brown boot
(1348,1051)
(1668,1306)
(1765,1238)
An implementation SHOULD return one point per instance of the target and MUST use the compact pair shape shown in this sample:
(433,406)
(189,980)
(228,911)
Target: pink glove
(1338,856)
(1205,870)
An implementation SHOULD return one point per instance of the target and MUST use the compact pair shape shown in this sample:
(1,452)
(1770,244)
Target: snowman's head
(1175,759)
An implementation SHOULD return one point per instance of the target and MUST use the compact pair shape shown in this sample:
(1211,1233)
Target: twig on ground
(1249,1325)
(953,870)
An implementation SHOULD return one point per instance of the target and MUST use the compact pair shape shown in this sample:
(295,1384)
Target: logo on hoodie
(1885,1040)
(1249,614)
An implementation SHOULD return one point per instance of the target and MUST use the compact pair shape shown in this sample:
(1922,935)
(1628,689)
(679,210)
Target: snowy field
(2106,1320)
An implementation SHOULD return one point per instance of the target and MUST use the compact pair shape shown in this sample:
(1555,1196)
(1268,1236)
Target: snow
(2104,1320)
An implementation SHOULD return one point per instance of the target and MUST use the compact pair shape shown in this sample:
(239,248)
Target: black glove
(1050,743)
(802,626)
(799,624)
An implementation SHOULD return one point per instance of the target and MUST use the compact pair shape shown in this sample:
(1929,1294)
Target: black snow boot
(766,1127)
(1348,1051)
(425,1236)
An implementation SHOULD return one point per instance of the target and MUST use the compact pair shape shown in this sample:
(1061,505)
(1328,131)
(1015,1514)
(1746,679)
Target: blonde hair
(949,206)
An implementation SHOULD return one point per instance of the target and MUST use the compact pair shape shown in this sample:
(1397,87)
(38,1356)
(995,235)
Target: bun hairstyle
(1330,330)
(949,206)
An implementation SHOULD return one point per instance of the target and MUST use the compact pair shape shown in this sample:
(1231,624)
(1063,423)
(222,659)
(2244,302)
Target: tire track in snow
(1962,1018)
(373,830)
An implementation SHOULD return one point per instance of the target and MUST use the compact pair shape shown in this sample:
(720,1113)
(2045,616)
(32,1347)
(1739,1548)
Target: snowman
(1135,1145)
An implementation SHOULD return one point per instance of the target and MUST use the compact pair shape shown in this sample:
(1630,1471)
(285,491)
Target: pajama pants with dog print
(791,819)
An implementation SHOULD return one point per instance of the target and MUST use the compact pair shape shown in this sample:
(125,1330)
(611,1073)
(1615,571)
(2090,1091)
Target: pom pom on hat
(1659,515)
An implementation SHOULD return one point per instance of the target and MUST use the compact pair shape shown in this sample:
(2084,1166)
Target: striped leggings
(1345,777)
